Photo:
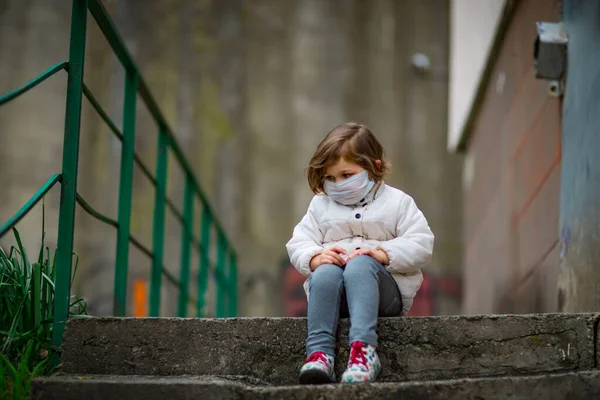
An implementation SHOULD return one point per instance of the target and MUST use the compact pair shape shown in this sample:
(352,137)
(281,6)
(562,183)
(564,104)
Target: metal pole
(158,231)
(125,189)
(66,219)
(204,260)
(186,241)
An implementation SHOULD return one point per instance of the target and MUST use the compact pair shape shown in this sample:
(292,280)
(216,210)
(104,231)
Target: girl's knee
(359,266)
(360,262)
(326,273)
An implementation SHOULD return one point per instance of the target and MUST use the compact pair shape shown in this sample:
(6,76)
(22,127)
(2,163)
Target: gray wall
(250,87)
(579,273)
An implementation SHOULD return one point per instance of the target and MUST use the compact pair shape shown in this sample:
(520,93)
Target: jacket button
(357,216)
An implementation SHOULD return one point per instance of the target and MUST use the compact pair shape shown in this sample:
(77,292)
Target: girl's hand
(328,256)
(380,255)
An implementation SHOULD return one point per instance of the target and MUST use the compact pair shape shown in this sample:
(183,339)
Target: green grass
(26,315)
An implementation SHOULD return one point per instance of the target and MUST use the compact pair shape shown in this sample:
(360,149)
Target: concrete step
(572,386)
(272,349)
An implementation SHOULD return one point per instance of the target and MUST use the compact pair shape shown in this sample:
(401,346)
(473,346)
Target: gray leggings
(363,289)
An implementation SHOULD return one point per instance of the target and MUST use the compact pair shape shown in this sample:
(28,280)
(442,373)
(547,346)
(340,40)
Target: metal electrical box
(550,50)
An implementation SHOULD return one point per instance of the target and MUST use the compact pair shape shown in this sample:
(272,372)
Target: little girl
(361,245)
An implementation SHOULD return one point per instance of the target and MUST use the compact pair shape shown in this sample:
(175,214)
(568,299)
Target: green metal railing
(224,270)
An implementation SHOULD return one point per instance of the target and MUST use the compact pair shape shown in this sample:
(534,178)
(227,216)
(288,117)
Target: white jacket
(387,219)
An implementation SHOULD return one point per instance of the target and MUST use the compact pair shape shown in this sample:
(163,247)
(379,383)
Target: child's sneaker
(363,365)
(318,369)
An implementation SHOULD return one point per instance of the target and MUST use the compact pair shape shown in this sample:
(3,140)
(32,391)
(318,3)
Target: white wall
(473,24)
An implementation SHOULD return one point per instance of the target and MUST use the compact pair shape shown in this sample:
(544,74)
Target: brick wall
(513,180)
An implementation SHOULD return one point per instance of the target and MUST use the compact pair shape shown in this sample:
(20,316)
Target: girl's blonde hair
(353,142)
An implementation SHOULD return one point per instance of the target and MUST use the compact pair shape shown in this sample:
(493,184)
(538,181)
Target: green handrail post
(125,190)
(232,284)
(68,192)
(204,259)
(186,242)
(158,230)
(221,277)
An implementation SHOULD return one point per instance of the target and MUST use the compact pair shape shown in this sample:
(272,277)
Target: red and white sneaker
(364,364)
(318,369)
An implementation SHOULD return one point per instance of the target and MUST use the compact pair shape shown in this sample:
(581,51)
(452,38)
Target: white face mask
(350,191)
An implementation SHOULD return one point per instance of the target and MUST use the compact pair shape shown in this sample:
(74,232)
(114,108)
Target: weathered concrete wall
(579,278)
(250,88)
(512,180)
(426,170)
(31,127)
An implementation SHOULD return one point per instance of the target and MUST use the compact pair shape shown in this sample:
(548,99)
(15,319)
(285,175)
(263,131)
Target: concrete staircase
(547,356)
